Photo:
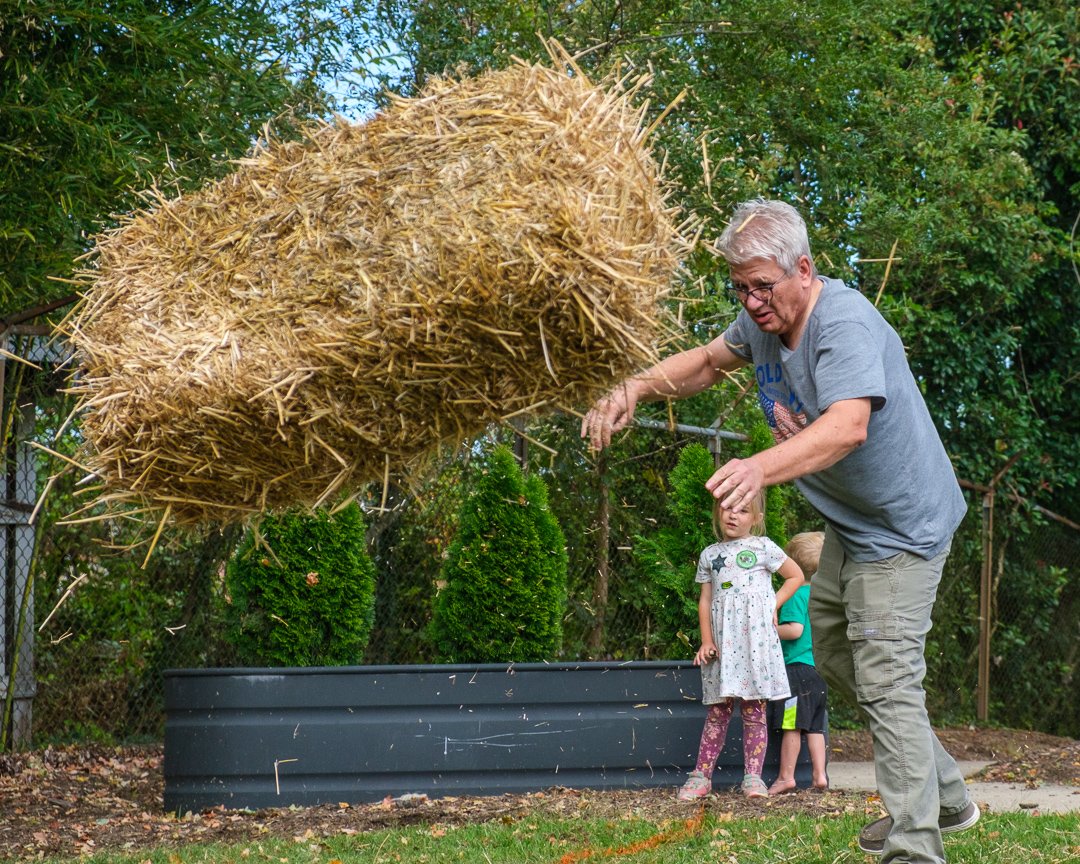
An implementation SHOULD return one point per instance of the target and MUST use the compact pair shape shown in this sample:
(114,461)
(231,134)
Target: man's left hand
(736,483)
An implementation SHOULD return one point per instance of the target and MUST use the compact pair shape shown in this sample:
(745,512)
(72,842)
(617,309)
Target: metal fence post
(982,706)
(18,684)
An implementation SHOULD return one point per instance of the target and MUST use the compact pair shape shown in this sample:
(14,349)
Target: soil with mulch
(77,800)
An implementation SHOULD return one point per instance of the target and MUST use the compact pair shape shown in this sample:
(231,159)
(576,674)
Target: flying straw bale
(339,306)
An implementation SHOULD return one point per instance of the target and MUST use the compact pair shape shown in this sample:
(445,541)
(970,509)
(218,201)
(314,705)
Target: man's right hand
(609,415)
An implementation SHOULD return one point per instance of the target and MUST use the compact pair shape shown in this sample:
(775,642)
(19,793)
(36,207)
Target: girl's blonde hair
(757,508)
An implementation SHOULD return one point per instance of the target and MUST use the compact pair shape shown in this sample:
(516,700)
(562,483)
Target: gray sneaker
(872,837)
(960,820)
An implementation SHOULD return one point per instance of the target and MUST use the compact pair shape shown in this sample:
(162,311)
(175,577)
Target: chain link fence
(99,660)
(1034,648)
(17,682)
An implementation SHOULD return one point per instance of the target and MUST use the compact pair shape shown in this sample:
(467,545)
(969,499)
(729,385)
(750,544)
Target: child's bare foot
(821,784)
(782,787)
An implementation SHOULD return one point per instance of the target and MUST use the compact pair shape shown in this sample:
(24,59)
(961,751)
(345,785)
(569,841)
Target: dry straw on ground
(338,307)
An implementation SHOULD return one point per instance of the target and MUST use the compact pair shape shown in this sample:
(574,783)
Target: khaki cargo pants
(869,622)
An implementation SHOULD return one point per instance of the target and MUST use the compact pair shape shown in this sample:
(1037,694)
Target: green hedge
(300,591)
(502,591)
(669,557)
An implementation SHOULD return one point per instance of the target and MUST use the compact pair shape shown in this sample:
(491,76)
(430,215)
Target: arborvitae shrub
(669,557)
(776,497)
(301,591)
(502,590)
(552,565)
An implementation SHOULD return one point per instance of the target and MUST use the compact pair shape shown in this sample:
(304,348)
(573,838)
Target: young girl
(740,656)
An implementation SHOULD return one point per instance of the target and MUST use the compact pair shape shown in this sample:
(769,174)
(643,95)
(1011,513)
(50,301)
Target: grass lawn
(997,839)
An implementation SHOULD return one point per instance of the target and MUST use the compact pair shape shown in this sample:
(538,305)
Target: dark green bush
(776,497)
(301,591)
(503,587)
(669,557)
(99,662)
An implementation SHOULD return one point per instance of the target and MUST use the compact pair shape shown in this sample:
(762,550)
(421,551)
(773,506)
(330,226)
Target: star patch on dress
(719,562)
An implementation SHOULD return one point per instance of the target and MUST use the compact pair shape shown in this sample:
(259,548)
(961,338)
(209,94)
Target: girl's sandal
(754,787)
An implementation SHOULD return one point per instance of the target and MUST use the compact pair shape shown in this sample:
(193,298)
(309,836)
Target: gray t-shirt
(895,493)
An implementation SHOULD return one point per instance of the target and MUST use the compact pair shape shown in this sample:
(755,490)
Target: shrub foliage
(300,591)
(669,557)
(503,587)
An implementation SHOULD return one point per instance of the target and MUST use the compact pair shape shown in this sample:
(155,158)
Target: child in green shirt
(804,712)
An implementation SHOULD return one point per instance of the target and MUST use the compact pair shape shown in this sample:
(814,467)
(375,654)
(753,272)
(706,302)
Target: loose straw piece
(277,781)
(70,590)
(10,356)
(157,535)
(45,494)
(888,268)
(745,222)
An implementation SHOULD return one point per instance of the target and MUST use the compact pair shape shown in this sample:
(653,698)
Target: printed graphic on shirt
(746,559)
(738,562)
(783,409)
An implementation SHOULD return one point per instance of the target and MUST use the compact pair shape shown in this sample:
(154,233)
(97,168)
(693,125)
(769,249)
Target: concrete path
(991,797)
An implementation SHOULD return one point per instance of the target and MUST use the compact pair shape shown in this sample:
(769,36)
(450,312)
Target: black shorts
(810,694)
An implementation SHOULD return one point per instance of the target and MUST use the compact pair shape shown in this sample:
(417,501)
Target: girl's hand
(706,654)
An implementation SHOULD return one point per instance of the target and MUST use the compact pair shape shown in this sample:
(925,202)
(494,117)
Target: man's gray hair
(761,228)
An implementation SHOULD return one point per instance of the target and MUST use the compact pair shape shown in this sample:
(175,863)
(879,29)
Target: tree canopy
(100,99)
(930,144)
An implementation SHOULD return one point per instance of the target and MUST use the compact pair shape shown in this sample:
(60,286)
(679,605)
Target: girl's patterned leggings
(755,735)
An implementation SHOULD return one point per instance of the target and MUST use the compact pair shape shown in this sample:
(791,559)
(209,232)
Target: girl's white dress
(750,663)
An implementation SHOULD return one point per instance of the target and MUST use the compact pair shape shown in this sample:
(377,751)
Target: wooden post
(18,484)
(521,445)
(603,560)
(986,591)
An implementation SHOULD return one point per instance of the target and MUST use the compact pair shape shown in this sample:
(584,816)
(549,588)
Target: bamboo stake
(888,269)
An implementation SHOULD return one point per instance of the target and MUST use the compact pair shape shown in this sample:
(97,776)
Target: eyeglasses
(761,293)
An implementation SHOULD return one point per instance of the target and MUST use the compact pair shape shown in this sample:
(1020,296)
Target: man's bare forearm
(683,374)
(820,445)
(823,443)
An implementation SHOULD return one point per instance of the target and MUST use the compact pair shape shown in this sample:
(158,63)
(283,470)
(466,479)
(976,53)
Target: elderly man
(855,436)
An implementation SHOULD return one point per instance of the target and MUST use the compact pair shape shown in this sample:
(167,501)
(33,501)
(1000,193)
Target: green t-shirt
(796,611)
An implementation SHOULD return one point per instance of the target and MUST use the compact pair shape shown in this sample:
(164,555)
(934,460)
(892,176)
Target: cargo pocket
(876,642)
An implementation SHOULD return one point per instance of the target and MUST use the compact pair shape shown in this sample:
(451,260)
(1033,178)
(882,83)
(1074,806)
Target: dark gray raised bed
(273,737)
